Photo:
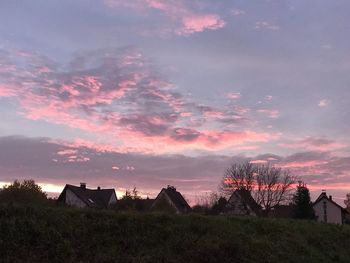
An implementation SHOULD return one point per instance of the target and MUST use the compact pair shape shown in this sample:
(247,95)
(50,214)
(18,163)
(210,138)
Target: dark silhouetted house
(80,196)
(242,203)
(170,200)
(328,211)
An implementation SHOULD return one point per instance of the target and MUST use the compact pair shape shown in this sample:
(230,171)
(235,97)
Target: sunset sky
(146,93)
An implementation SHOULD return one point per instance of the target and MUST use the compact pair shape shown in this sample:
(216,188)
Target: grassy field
(34,234)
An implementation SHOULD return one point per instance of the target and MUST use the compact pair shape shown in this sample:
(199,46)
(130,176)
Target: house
(170,200)
(328,211)
(80,196)
(241,202)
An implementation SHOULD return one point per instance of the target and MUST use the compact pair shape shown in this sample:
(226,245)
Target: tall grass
(43,234)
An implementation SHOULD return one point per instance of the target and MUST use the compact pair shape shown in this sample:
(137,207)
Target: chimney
(330,197)
(83,185)
(171,187)
(98,188)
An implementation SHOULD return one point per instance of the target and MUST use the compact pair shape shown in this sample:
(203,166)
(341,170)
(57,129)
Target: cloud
(265,25)
(233,95)
(323,103)
(274,114)
(199,23)
(22,157)
(268,97)
(315,144)
(186,16)
(118,94)
(237,12)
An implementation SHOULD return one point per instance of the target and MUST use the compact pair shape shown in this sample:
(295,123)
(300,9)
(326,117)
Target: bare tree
(238,176)
(270,186)
(207,199)
(273,186)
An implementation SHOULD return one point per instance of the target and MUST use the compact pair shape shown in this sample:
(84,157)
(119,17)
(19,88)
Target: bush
(45,234)
(23,192)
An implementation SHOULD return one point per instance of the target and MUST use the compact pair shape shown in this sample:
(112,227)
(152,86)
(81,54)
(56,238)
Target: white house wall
(236,207)
(334,213)
(112,200)
(167,198)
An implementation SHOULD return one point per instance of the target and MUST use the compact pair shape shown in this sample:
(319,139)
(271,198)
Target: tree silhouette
(23,192)
(270,186)
(302,205)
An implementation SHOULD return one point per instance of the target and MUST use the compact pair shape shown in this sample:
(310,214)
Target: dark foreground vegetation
(54,234)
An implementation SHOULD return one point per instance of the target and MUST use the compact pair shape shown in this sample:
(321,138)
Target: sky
(150,93)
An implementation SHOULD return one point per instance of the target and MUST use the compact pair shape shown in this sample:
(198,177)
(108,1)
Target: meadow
(58,234)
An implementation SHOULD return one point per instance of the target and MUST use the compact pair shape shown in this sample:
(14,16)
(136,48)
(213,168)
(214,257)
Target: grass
(43,234)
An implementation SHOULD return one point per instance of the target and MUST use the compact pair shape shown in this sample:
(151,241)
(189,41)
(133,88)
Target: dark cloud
(180,134)
(48,161)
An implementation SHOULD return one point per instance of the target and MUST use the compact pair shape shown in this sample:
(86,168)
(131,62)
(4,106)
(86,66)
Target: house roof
(91,197)
(324,195)
(177,199)
(247,199)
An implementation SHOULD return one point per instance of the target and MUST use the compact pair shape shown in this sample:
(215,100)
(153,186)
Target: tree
(23,192)
(205,202)
(273,186)
(131,195)
(347,202)
(219,206)
(302,205)
(270,186)
(131,201)
(238,176)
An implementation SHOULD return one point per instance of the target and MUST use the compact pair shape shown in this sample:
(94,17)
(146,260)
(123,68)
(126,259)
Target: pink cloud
(7,90)
(214,114)
(199,23)
(67,152)
(214,140)
(233,95)
(259,161)
(188,20)
(134,110)
(186,114)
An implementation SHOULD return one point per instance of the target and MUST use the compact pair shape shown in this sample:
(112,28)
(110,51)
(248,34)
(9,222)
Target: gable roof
(247,200)
(324,195)
(91,197)
(176,198)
